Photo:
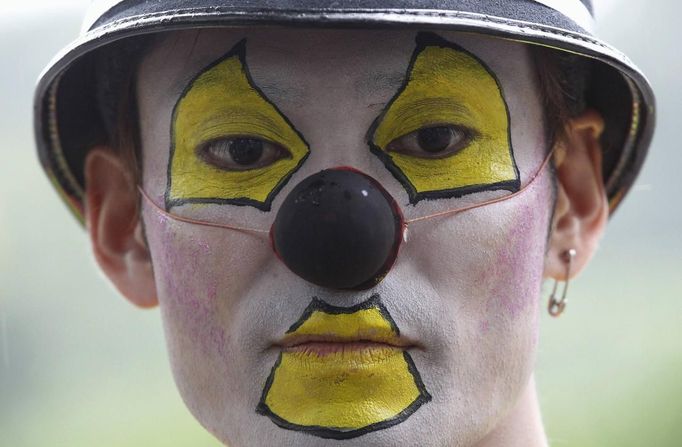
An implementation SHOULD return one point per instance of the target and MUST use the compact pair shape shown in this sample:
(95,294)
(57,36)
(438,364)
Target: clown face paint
(328,384)
(230,144)
(446,133)
(463,289)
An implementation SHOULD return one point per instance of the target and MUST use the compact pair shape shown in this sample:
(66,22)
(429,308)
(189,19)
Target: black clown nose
(338,229)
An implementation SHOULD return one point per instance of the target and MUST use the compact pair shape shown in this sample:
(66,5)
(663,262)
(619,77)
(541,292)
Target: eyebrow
(435,102)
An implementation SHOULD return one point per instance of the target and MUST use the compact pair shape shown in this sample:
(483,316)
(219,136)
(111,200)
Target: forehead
(288,63)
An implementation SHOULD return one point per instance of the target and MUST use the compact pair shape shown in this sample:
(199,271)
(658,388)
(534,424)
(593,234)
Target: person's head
(257,184)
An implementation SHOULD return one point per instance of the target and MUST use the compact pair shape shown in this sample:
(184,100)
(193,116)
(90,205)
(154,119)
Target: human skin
(464,290)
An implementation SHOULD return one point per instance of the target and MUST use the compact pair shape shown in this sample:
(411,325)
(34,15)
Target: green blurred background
(79,366)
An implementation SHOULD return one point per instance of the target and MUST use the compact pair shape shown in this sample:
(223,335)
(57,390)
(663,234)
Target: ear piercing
(556,305)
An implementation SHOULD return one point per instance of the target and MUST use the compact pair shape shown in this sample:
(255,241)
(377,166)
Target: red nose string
(449,212)
(487,202)
(195,221)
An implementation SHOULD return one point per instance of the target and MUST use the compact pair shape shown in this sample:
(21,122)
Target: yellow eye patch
(447,87)
(219,105)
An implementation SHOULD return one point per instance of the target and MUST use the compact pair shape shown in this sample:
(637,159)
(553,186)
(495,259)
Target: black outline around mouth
(316,304)
(339,433)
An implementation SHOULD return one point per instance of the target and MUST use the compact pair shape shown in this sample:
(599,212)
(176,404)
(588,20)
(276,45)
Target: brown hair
(116,92)
(563,79)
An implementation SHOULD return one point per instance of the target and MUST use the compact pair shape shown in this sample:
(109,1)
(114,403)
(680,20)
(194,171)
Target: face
(433,351)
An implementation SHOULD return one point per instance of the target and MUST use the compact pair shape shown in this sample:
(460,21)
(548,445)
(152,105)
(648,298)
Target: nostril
(338,229)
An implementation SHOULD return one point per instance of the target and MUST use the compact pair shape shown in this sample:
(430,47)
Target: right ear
(116,232)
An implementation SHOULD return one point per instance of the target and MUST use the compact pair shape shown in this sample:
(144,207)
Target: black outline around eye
(239,50)
(424,40)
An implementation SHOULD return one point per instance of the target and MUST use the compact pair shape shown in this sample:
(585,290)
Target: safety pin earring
(556,306)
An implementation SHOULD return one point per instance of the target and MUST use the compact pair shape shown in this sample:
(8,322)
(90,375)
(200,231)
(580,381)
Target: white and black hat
(66,114)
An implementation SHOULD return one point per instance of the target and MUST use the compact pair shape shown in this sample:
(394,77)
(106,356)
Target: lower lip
(352,349)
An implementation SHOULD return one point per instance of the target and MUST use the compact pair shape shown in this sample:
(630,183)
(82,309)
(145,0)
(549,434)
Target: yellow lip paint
(361,382)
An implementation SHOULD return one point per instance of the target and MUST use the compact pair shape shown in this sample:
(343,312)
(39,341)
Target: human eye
(440,141)
(241,153)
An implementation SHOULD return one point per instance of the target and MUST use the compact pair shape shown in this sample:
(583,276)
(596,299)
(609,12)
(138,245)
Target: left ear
(582,209)
(115,229)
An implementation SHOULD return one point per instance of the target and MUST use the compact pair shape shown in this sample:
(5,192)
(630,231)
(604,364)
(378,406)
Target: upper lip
(292,340)
(368,322)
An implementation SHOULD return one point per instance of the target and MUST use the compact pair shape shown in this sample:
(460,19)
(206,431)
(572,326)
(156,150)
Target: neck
(522,426)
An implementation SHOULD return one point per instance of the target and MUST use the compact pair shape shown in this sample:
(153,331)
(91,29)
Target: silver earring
(556,305)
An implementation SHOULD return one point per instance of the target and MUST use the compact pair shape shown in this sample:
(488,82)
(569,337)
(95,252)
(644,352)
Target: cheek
(484,269)
(468,288)
(200,273)
(492,256)
(187,289)
(514,278)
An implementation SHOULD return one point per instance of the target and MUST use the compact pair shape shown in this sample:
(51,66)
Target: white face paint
(463,291)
